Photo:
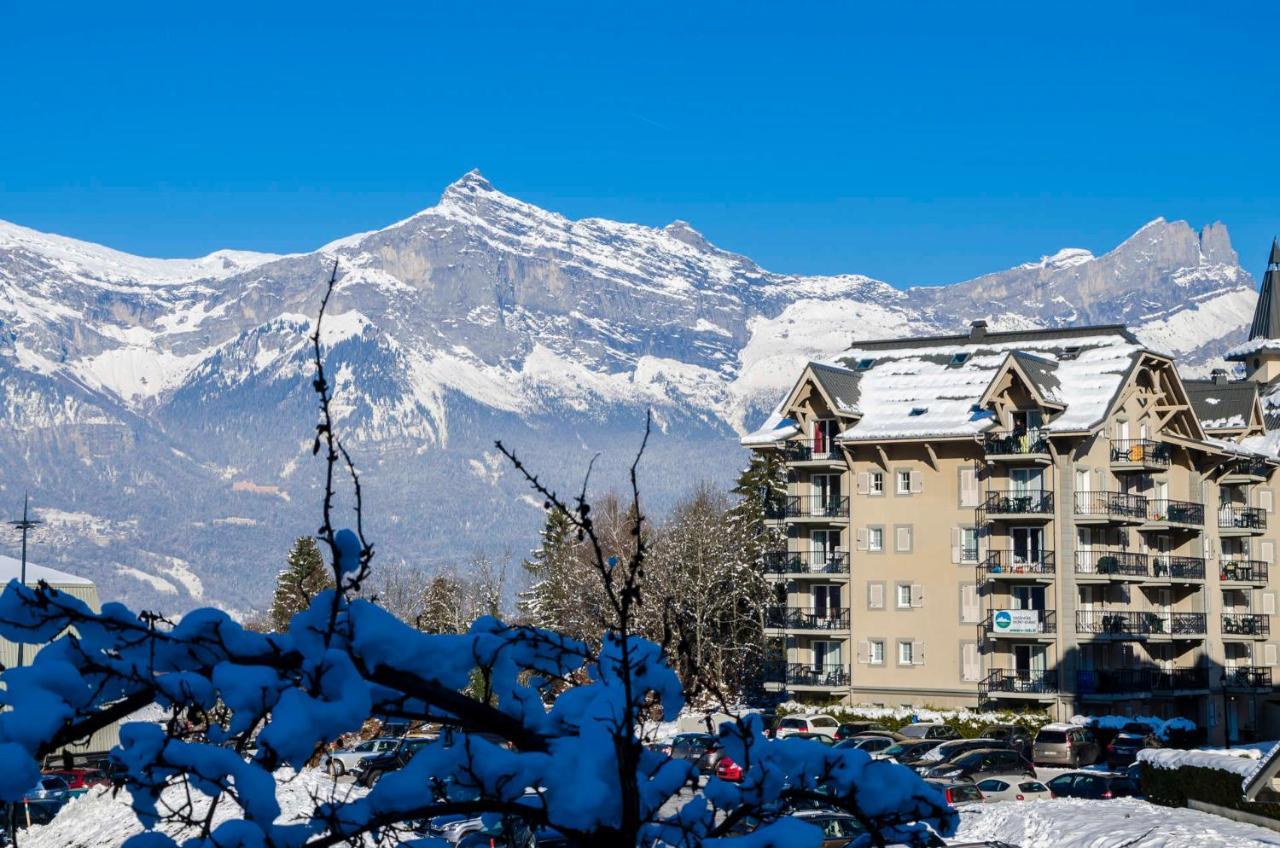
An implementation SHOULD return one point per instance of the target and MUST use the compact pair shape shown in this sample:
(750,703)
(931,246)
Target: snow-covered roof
(1246,349)
(775,428)
(11,569)
(1221,404)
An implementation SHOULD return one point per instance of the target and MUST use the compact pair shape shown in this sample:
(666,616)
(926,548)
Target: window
(904,595)
(969,544)
(877,483)
(875,538)
(906,653)
(959,359)
(875,652)
(904,482)
(864,364)
(917,411)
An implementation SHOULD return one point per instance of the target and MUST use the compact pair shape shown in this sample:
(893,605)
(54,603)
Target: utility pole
(25,524)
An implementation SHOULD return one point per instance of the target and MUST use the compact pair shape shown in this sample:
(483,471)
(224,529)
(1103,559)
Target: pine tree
(305,575)
(547,567)
(763,481)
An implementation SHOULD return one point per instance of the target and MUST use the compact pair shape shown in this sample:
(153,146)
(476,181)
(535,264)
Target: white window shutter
(1269,654)
(903,539)
(1267,551)
(862,539)
(968,487)
(917,595)
(864,482)
(917,482)
(1266,500)
(971,667)
(917,653)
(875,595)
(864,652)
(957,539)
(1268,603)
(969,604)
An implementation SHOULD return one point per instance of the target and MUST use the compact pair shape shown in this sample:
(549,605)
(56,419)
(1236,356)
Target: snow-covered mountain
(160,412)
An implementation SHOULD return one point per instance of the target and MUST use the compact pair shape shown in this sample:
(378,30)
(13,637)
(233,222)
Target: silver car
(340,762)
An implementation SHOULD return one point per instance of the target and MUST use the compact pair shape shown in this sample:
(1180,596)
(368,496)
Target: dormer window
(919,410)
(958,359)
(1070,352)
(865,364)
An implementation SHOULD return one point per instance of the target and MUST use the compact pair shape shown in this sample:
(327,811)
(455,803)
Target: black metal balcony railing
(1177,567)
(1113,681)
(1015,623)
(808,506)
(806,562)
(1111,505)
(801,618)
(1015,444)
(1022,681)
(1242,570)
(1179,679)
(1247,467)
(1112,563)
(1144,451)
(1241,517)
(1246,677)
(1175,512)
(1133,624)
(1012,562)
(803,450)
(1245,624)
(1018,503)
(806,674)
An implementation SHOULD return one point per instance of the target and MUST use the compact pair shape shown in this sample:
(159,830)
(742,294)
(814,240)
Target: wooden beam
(933,457)
(884,459)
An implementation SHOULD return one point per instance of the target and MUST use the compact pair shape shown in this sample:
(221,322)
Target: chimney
(1219,376)
(977,330)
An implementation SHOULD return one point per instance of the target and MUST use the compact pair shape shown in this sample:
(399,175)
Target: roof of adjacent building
(11,569)
(1222,404)
(1266,315)
(840,384)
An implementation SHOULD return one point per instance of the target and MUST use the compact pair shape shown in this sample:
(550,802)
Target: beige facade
(1051,538)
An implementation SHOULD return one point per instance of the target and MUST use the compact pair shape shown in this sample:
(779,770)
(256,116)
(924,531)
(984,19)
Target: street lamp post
(24,525)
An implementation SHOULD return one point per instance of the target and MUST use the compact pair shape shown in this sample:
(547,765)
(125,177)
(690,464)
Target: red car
(727,769)
(80,780)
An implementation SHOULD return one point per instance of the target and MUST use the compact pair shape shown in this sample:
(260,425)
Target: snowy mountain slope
(165,404)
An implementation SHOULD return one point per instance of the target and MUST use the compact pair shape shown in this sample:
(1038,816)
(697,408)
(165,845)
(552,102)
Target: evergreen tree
(548,567)
(763,481)
(305,575)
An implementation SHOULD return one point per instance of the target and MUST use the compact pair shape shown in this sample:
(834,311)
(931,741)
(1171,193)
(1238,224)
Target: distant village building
(1050,519)
(77,587)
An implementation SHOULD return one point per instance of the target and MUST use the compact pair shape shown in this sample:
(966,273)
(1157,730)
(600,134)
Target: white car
(1013,787)
(340,762)
(823,724)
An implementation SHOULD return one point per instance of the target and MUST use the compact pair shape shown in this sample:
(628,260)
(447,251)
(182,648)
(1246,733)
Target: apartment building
(1046,519)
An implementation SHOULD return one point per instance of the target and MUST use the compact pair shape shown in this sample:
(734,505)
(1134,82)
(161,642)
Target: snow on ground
(1128,822)
(97,820)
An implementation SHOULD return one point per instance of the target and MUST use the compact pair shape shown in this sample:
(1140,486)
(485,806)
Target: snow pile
(1241,762)
(1160,726)
(871,713)
(1128,822)
(98,819)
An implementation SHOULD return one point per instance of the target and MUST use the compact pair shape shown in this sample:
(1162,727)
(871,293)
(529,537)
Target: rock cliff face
(160,410)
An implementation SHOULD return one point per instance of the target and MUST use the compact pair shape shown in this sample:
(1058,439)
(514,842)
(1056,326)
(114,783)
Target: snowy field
(1122,823)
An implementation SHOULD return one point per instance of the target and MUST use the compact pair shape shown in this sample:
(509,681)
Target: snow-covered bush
(266,703)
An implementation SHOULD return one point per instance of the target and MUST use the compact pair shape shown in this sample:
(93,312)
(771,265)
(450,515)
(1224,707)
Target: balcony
(1140,624)
(1021,624)
(807,675)
(1108,507)
(1246,625)
(1246,677)
(807,507)
(1177,569)
(1162,513)
(799,563)
(816,451)
(1129,682)
(1241,520)
(1170,680)
(1243,471)
(1026,506)
(1138,455)
(1036,684)
(1012,565)
(1026,446)
(1245,571)
(1106,564)
(802,618)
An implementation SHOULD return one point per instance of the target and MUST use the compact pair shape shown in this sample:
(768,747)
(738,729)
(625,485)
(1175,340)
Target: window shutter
(864,652)
(1269,654)
(917,653)
(1210,547)
(864,482)
(957,540)
(971,664)
(968,487)
(917,482)
(1267,551)
(862,539)
(903,538)
(1268,603)
(917,595)
(1266,500)
(969,604)
(875,595)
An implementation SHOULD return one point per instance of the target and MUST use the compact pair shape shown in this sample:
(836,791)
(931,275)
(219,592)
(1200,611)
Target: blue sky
(916,143)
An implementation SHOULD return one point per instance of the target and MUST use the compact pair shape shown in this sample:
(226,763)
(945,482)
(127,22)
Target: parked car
(1014,734)
(959,792)
(701,749)
(1013,787)
(850,729)
(81,780)
(661,746)
(369,770)
(50,787)
(1131,739)
(824,724)
(838,829)
(1093,785)
(484,832)
(975,765)
(871,744)
(930,730)
(339,762)
(821,738)
(1065,745)
(910,751)
(728,770)
(949,750)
